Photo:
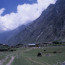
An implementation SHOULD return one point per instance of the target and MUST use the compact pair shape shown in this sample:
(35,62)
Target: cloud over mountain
(25,13)
(2,10)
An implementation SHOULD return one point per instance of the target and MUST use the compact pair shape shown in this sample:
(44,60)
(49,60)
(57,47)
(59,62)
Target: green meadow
(28,56)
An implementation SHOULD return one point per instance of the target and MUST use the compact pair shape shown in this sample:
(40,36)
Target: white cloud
(2,10)
(25,13)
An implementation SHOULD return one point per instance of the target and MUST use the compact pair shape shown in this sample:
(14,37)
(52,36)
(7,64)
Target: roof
(31,44)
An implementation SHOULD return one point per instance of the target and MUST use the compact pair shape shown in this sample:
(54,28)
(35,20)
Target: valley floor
(28,56)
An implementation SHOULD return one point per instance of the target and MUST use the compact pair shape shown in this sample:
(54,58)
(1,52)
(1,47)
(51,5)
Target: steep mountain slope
(48,27)
(4,36)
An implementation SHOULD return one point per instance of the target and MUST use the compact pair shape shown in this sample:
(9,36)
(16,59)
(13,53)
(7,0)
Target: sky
(14,13)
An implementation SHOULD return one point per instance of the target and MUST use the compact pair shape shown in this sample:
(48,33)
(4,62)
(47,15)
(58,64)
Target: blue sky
(11,5)
(14,13)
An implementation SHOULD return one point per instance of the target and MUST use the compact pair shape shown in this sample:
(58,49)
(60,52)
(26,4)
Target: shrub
(39,54)
(54,52)
(44,50)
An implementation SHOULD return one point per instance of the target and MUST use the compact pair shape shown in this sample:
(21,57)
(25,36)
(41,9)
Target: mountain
(4,36)
(50,26)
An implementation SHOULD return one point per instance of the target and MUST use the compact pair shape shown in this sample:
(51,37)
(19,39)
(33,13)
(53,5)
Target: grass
(7,60)
(3,55)
(51,59)
(28,56)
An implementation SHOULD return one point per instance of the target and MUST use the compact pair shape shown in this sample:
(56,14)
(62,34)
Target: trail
(11,60)
(3,60)
(35,61)
(40,63)
(0,62)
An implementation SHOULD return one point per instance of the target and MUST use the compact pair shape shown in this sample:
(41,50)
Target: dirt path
(37,62)
(34,60)
(31,59)
(11,60)
(0,62)
(3,60)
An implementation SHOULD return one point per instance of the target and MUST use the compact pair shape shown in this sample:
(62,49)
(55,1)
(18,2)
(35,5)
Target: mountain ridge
(50,26)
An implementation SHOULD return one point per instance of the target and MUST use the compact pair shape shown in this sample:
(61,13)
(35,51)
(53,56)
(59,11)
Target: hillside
(4,36)
(48,27)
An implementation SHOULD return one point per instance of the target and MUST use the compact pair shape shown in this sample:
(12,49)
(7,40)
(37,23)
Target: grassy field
(28,56)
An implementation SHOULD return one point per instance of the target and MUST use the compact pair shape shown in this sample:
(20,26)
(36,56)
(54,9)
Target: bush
(39,54)
(54,52)
(44,50)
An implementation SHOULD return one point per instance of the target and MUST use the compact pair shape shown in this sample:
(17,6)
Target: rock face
(48,27)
